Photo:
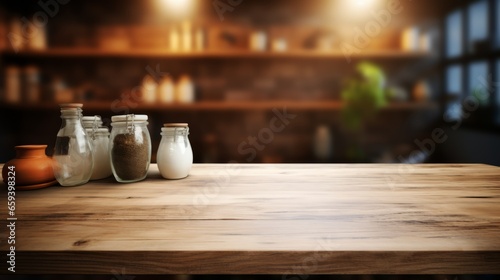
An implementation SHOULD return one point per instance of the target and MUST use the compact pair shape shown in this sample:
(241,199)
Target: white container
(166,90)
(279,45)
(149,89)
(174,40)
(199,40)
(91,121)
(410,39)
(185,90)
(258,41)
(99,142)
(187,37)
(175,156)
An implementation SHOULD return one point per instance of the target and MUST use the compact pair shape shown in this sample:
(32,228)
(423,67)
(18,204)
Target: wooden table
(273,219)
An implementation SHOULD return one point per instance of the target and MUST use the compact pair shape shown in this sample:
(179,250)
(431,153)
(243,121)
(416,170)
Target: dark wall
(470,146)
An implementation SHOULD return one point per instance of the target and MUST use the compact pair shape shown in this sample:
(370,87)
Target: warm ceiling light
(364,3)
(354,10)
(177,7)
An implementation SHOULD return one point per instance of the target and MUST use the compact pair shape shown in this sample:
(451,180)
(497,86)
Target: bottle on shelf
(12,84)
(185,90)
(166,90)
(174,40)
(187,37)
(17,40)
(199,39)
(32,84)
(148,89)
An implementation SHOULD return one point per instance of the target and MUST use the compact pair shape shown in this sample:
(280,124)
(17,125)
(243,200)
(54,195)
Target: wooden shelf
(222,106)
(145,53)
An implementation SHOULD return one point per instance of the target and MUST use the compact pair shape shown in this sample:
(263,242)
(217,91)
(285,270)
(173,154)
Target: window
(472,60)
(477,27)
(496,83)
(454,34)
(454,80)
(495,86)
(454,91)
(497,23)
(478,85)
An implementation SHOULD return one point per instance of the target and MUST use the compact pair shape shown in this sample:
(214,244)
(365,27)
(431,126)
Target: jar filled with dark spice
(130,147)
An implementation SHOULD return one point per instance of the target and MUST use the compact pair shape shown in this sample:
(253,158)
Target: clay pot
(32,166)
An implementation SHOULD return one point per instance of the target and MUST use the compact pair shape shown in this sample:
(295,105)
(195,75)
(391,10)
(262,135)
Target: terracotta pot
(32,166)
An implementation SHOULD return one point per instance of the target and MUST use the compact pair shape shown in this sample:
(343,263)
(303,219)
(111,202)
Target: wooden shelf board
(96,52)
(222,106)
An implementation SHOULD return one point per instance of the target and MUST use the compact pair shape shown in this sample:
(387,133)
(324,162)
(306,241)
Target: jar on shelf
(130,147)
(166,90)
(32,84)
(175,156)
(148,89)
(185,90)
(72,160)
(99,140)
(12,84)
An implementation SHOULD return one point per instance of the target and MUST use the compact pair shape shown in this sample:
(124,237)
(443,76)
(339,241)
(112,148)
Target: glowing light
(364,3)
(355,10)
(178,7)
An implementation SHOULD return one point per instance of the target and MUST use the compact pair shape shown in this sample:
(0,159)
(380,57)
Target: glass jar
(72,160)
(99,141)
(175,156)
(92,121)
(130,147)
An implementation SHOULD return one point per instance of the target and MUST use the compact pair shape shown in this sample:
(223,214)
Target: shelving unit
(159,53)
(226,106)
(217,105)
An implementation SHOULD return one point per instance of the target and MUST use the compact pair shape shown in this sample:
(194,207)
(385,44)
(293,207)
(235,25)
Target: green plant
(363,96)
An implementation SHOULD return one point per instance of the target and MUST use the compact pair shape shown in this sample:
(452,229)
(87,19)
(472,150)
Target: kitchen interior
(364,81)
(323,81)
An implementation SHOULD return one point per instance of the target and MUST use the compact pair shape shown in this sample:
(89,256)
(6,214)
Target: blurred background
(262,81)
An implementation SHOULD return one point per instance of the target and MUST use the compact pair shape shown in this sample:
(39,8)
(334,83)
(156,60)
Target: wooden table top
(268,218)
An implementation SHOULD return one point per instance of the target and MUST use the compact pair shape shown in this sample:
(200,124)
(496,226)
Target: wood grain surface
(275,219)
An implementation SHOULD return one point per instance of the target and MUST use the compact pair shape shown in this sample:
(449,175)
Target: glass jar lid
(175,129)
(92,121)
(71,105)
(175,125)
(101,130)
(91,118)
(71,110)
(129,118)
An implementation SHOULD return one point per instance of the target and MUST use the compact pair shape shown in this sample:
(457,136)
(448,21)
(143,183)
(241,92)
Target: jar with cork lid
(72,160)
(130,147)
(175,156)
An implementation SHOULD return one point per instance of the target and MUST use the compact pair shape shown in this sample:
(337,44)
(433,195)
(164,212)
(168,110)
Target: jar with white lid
(92,121)
(175,156)
(72,160)
(130,147)
(99,141)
